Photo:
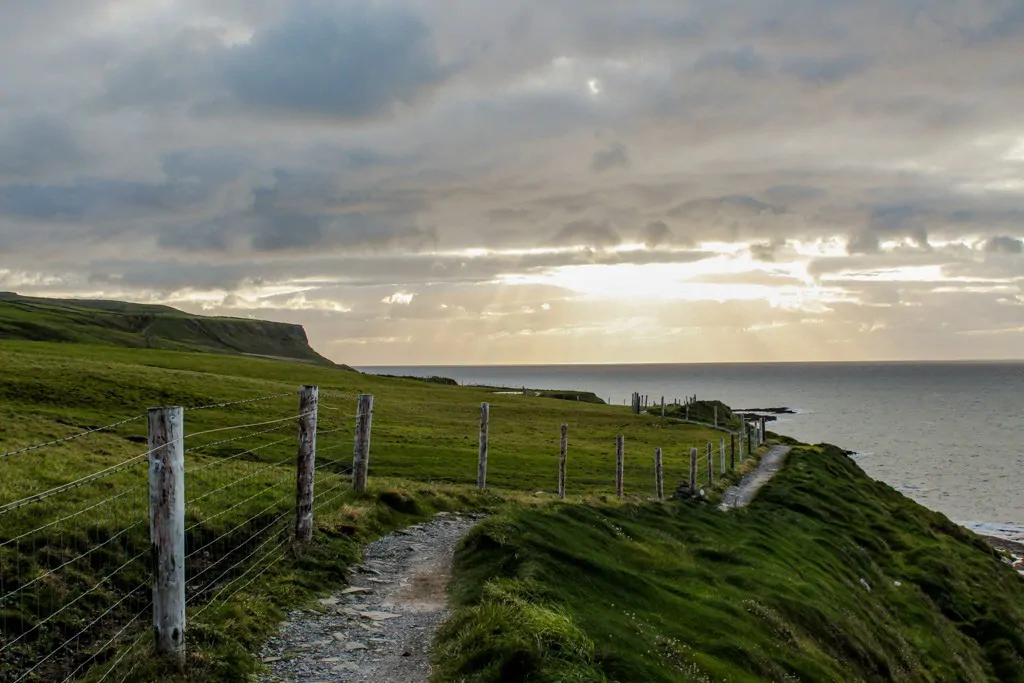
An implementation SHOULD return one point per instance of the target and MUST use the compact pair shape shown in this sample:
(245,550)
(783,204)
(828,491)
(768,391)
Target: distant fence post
(710,466)
(167,529)
(721,443)
(750,439)
(361,457)
(659,481)
(716,417)
(663,406)
(732,451)
(304,479)
(620,456)
(693,470)
(481,468)
(563,453)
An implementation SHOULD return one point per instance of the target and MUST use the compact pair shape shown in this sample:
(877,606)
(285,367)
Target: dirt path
(380,628)
(740,496)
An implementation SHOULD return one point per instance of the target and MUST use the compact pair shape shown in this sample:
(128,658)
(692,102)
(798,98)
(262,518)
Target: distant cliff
(120,323)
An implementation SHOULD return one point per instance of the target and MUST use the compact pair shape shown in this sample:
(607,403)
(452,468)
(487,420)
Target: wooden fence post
(732,451)
(721,443)
(563,453)
(620,456)
(750,439)
(716,417)
(710,466)
(167,529)
(693,470)
(663,406)
(304,479)
(361,458)
(481,467)
(659,481)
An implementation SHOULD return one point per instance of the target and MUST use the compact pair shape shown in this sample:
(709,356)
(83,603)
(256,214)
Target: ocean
(949,435)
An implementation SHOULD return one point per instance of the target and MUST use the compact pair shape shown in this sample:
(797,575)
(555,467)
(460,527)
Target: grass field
(241,490)
(827,576)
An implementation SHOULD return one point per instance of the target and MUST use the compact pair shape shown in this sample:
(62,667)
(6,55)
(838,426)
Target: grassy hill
(827,576)
(423,458)
(120,323)
(587,589)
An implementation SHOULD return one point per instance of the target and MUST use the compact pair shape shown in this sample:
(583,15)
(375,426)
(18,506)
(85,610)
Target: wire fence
(77,579)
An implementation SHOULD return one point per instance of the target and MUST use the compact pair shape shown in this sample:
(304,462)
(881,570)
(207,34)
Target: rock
(375,580)
(268,660)
(866,585)
(339,636)
(346,666)
(897,583)
(354,645)
(328,602)
(356,589)
(379,616)
(330,660)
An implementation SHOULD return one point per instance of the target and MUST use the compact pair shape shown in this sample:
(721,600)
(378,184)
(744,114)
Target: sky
(529,181)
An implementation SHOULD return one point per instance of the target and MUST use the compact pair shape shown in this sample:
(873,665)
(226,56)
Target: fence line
(241,509)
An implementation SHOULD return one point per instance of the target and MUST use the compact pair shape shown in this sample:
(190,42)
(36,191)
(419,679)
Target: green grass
(774,592)
(122,324)
(424,442)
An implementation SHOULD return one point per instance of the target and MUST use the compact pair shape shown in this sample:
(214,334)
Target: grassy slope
(424,444)
(144,326)
(684,592)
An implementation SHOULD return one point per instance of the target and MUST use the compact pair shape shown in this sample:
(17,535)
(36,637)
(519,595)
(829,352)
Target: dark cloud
(588,233)
(36,145)
(656,233)
(744,61)
(794,194)
(765,251)
(353,61)
(1004,245)
(614,156)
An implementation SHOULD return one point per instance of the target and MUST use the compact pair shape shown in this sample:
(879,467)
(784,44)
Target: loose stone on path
(380,628)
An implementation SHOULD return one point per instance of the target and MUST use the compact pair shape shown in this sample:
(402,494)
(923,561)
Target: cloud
(613,156)
(349,150)
(348,61)
(656,233)
(587,233)
(1004,245)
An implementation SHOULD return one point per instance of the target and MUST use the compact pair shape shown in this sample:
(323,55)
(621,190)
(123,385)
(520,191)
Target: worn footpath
(380,627)
(740,496)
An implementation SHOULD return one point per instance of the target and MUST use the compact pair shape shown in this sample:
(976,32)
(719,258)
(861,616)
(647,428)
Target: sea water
(949,435)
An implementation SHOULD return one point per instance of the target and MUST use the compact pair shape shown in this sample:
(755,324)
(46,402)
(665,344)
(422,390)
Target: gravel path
(379,628)
(740,496)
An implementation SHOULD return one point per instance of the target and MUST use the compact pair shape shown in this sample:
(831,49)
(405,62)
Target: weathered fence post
(762,437)
(167,529)
(721,443)
(750,439)
(481,468)
(361,458)
(620,456)
(563,453)
(663,406)
(693,470)
(732,451)
(659,481)
(716,417)
(687,412)
(710,466)
(304,478)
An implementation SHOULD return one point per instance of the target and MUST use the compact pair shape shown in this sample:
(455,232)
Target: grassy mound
(828,575)
(120,323)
